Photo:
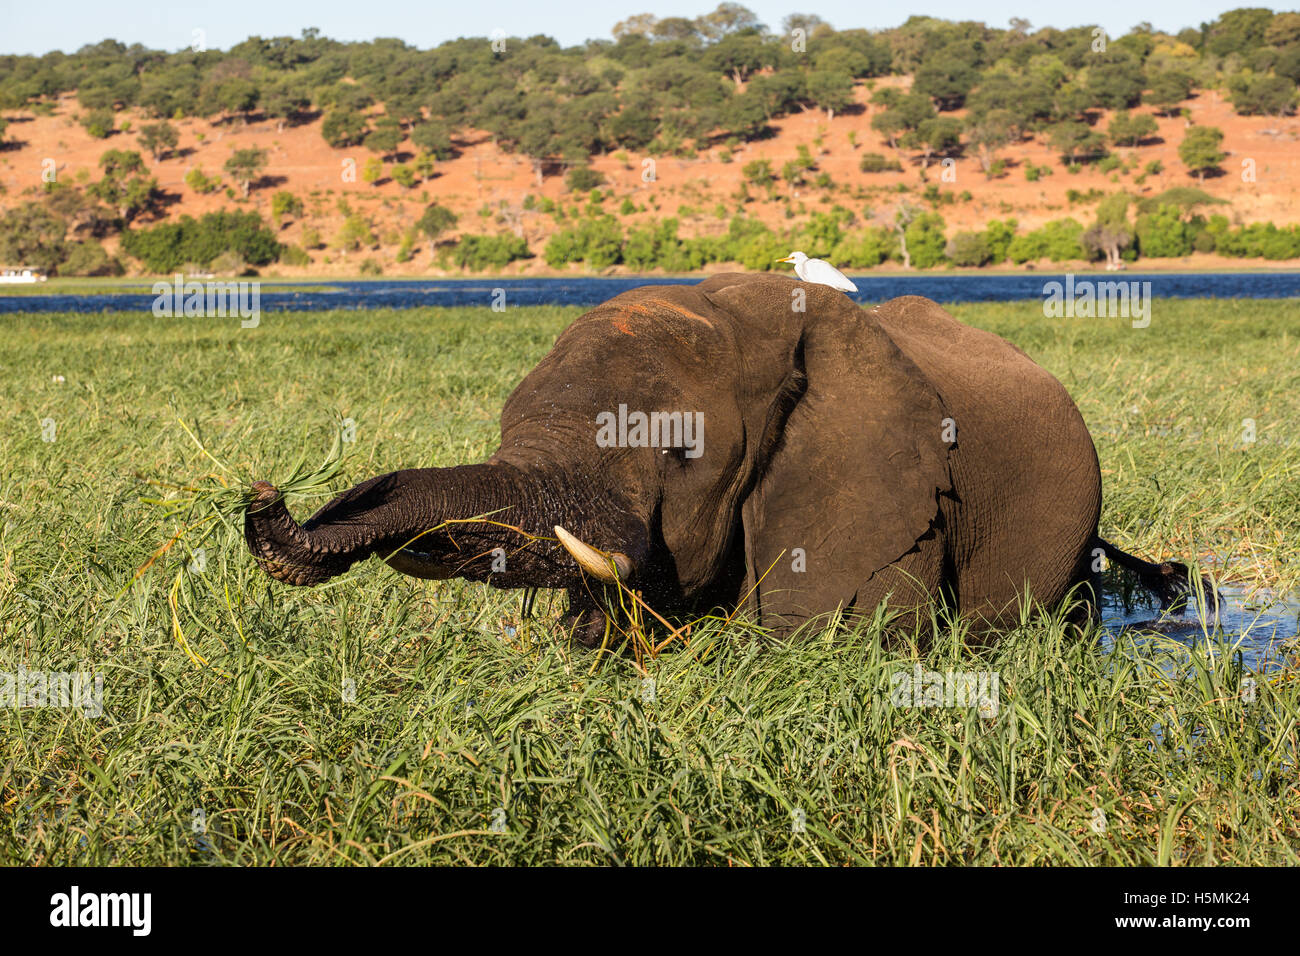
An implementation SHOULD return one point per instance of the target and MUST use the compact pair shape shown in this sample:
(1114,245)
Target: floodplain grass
(383,720)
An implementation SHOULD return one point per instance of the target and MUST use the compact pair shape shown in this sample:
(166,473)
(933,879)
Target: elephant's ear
(852,479)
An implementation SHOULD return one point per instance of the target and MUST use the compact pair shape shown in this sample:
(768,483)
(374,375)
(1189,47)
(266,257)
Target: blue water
(591,291)
(1262,627)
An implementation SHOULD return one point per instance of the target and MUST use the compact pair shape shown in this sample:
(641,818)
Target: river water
(586,291)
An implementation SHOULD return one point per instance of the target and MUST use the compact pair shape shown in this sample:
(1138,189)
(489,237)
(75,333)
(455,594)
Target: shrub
(89,259)
(481,252)
(1057,240)
(201,183)
(583,179)
(98,123)
(404,176)
(229,263)
(1262,95)
(355,234)
(999,234)
(759,172)
(1163,234)
(864,249)
(295,256)
(597,242)
(925,240)
(285,203)
(344,128)
(1258,240)
(877,163)
(969,249)
(170,245)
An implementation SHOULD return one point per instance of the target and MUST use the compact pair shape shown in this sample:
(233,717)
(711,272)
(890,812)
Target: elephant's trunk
(418,521)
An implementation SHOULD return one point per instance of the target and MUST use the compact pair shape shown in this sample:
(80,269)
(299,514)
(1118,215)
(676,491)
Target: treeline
(1165,226)
(674,85)
(230,242)
(1169,225)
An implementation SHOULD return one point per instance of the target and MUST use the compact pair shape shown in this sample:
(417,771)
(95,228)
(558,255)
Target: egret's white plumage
(819,271)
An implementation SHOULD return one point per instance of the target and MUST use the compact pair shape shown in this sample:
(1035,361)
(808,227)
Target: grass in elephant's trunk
(381,719)
(210,511)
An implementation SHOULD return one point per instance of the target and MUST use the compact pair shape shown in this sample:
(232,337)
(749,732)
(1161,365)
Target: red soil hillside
(486,187)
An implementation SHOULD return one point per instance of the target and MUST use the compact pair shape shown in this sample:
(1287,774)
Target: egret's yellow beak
(786,259)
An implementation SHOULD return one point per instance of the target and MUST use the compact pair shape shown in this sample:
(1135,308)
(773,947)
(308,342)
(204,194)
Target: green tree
(425,165)
(245,167)
(1262,95)
(936,137)
(947,76)
(926,243)
(1115,79)
(759,172)
(202,183)
(726,19)
(342,128)
(285,101)
(582,179)
(434,221)
(989,135)
(236,95)
(31,235)
(1238,31)
(969,249)
(404,176)
(740,55)
(99,123)
(1131,128)
(355,234)
(1162,234)
(385,137)
(1169,89)
(1200,150)
(1026,100)
(283,204)
(1076,141)
(125,185)
(903,114)
(1111,233)
(434,138)
(168,246)
(158,138)
(830,91)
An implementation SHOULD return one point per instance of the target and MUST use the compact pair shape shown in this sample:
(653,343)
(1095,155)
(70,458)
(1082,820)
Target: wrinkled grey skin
(829,477)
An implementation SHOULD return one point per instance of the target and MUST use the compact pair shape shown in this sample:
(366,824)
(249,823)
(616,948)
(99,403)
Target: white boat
(13,276)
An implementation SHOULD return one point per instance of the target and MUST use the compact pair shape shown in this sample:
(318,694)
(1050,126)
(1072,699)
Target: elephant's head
(750,437)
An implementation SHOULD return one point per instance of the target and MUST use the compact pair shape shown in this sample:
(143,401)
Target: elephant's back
(1024,468)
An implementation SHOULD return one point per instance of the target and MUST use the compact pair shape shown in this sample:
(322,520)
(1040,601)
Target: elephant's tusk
(597,563)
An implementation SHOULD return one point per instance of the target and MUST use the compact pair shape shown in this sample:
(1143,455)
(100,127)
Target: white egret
(819,271)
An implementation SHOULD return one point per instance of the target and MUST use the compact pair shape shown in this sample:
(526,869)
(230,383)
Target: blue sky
(31,27)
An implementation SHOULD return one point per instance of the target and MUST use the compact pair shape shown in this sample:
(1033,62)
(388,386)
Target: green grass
(452,718)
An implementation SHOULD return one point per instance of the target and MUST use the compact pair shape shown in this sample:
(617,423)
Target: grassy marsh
(383,720)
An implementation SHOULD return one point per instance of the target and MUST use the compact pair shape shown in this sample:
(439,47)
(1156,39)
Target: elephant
(749,442)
